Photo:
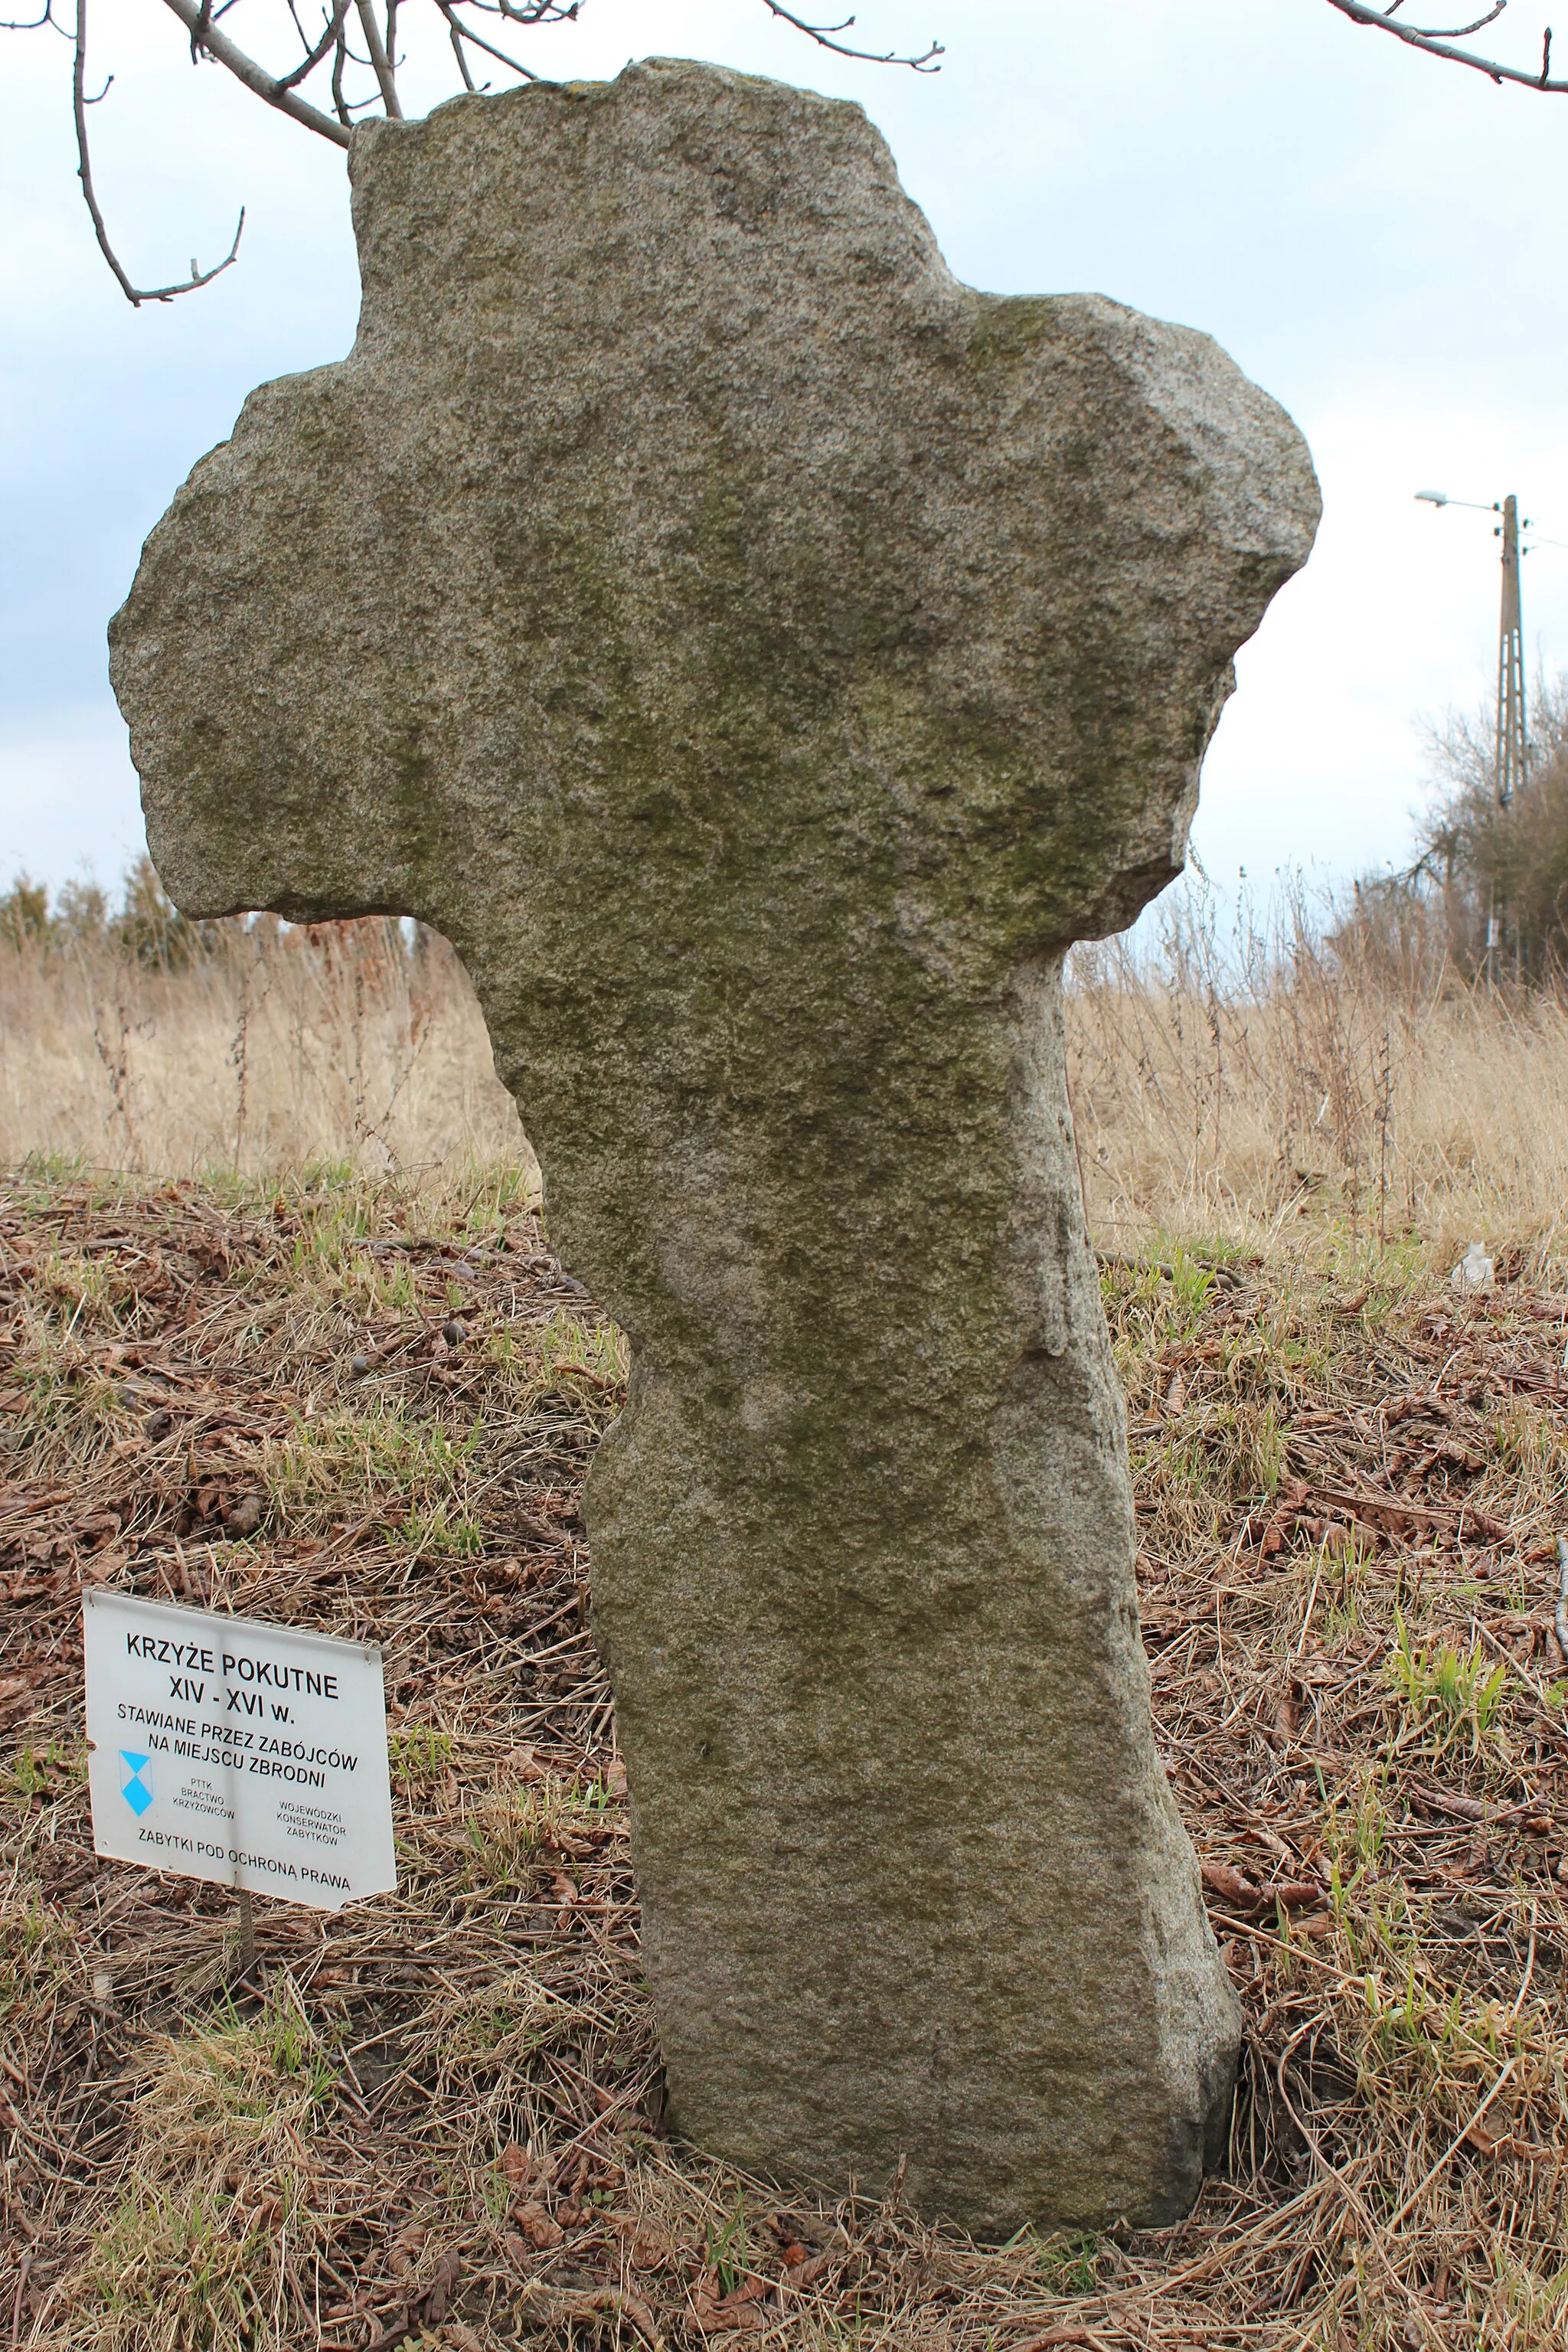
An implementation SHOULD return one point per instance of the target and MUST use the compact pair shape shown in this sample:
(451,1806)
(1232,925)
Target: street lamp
(1510,736)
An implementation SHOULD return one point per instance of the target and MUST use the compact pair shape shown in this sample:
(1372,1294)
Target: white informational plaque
(252,1754)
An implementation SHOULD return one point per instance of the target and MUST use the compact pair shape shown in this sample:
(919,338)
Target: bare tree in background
(349,59)
(1487,895)
(347,53)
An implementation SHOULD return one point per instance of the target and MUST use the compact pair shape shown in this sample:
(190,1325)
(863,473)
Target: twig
(134,295)
(1452,32)
(255,78)
(381,64)
(1529,1967)
(823,35)
(461,32)
(1560,1614)
(312,57)
(1311,1604)
(1500,1651)
(22,2268)
(1449,2153)
(454,32)
(1347,2187)
(1437,45)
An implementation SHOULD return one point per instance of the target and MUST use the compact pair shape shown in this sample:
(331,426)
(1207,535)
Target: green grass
(1448,1690)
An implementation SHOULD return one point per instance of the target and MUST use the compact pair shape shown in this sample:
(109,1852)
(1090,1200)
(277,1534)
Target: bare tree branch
(330,49)
(313,56)
(823,35)
(339,58)
(1451,32)
(134,295)
(1434,44)
(461,32)
(381,64)
(455,34)
(534,12)
(255,78)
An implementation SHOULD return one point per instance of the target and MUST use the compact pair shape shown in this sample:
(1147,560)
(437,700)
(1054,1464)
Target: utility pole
(1510,736)
(1510,756)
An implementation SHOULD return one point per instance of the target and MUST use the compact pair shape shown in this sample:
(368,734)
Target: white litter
(1475,1269)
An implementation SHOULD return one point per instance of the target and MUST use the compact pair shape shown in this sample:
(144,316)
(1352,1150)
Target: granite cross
(762,656)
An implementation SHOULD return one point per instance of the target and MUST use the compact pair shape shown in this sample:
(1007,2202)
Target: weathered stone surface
(762,656)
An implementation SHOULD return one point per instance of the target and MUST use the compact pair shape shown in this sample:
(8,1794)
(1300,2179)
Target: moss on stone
(760,656)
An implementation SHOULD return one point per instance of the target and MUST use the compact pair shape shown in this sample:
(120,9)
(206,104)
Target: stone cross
(762,656)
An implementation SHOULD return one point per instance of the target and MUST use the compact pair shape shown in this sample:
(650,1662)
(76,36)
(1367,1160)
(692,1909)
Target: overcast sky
(1377,239)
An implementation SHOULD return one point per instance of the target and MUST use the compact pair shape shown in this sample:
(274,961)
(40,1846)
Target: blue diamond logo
(133,1784)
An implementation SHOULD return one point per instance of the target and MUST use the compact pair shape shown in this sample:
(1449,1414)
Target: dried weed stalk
(266,1048)
(1297,1072)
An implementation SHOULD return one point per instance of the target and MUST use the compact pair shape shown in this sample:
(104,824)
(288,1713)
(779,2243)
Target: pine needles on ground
(436,2118)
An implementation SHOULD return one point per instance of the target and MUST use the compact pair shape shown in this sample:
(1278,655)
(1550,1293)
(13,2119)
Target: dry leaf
(613,2299)
(441,2286)
(1293,1894)
(1221,1879)
(807,2269)
(722,2319)
(246,1515)
(563,2305)
(718,2312)
(404,2250)
(537,2226)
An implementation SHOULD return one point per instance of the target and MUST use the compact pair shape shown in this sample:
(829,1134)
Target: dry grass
(1239,1087)
(435,2120)
(281,1049)
(1235,1088)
